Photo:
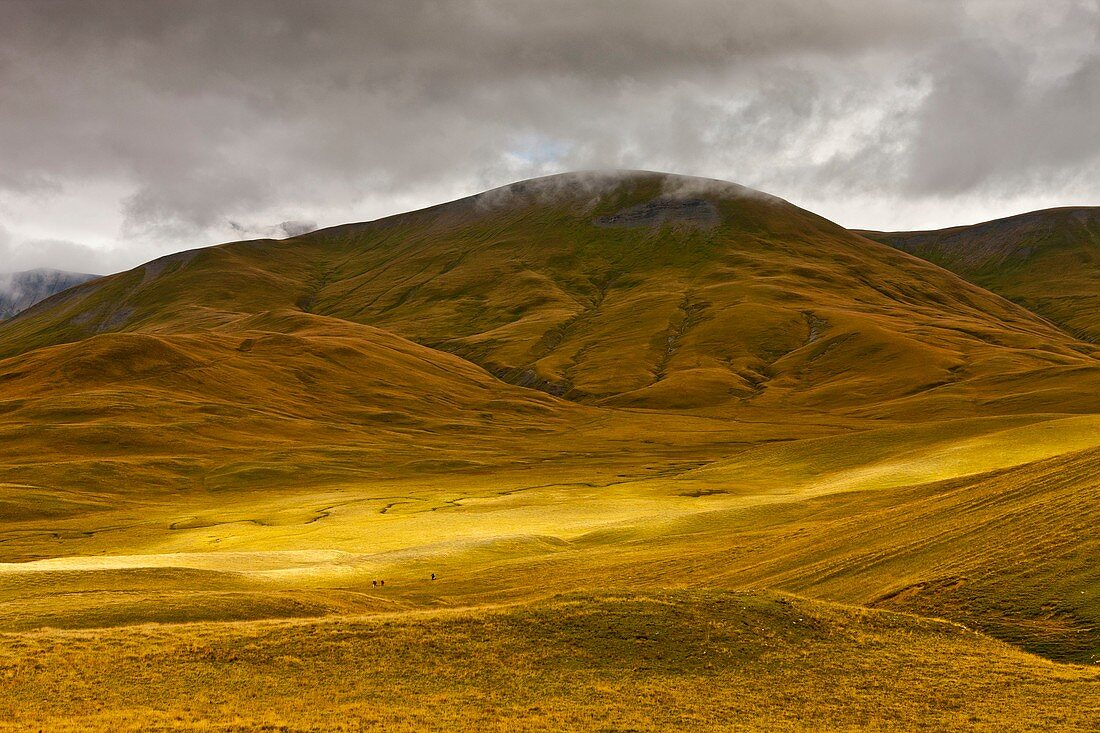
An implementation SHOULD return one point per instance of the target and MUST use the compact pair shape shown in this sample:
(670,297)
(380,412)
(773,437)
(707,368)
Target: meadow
(614,662)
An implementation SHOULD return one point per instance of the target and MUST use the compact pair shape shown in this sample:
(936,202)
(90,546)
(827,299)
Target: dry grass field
(656,660)
(678,455)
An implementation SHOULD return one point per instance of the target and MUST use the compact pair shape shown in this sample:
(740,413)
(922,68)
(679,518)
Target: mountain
(1047,261)
(530,323)
(632,290)
(21,290)
(595,383)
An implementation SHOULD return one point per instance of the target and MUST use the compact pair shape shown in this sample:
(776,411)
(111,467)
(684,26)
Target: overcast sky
(132,128)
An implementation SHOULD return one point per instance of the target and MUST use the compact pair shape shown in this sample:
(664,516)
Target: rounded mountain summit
(624,289)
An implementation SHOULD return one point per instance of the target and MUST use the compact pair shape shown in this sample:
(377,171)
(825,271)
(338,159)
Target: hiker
(433,576)
(374,583)
(382,583)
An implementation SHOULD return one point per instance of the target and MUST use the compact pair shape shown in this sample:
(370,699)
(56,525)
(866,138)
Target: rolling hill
(644,662)
(566,300)
(575,423)
(1047,261)
(634,290)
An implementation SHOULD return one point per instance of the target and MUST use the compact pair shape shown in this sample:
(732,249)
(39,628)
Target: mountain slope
(288,399)
(585,381)
(21,290)
(642,290)
(1047,261)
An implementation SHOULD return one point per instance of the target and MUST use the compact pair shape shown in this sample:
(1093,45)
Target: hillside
(331,357)
(21,290)
(639,290)
(1047,261)
(575,423)
(651,661)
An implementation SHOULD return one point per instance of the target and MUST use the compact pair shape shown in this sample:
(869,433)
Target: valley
(629,451)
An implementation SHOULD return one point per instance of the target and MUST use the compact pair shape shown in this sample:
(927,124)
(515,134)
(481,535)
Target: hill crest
(1047,261)
(633,289)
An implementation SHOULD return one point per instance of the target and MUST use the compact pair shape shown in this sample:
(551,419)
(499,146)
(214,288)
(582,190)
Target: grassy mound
(651,661)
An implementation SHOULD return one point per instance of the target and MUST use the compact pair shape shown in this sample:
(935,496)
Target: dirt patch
(699,493)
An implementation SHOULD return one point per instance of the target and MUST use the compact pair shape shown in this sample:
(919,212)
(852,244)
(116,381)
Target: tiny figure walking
(433,576)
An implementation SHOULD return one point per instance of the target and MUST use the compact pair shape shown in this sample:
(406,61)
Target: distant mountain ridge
(1047,261)
(21,290)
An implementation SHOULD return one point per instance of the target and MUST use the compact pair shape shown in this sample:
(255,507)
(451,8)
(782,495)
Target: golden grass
(667,424)
(995,538)
(644,661)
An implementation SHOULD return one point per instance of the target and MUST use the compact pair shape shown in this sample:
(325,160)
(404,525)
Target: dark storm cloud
(204,115)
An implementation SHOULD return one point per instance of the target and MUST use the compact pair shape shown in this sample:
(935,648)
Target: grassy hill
(638,290)
(649,661)
(327,358)
(1048,261)
(676,401)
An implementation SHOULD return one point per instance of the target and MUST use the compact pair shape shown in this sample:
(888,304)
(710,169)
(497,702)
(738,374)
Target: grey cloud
(21,255)
(985,123)
(241,110)
(296,228)
(9,289)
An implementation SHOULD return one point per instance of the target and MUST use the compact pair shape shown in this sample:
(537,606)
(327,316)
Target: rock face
(21,290)
(663,210)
